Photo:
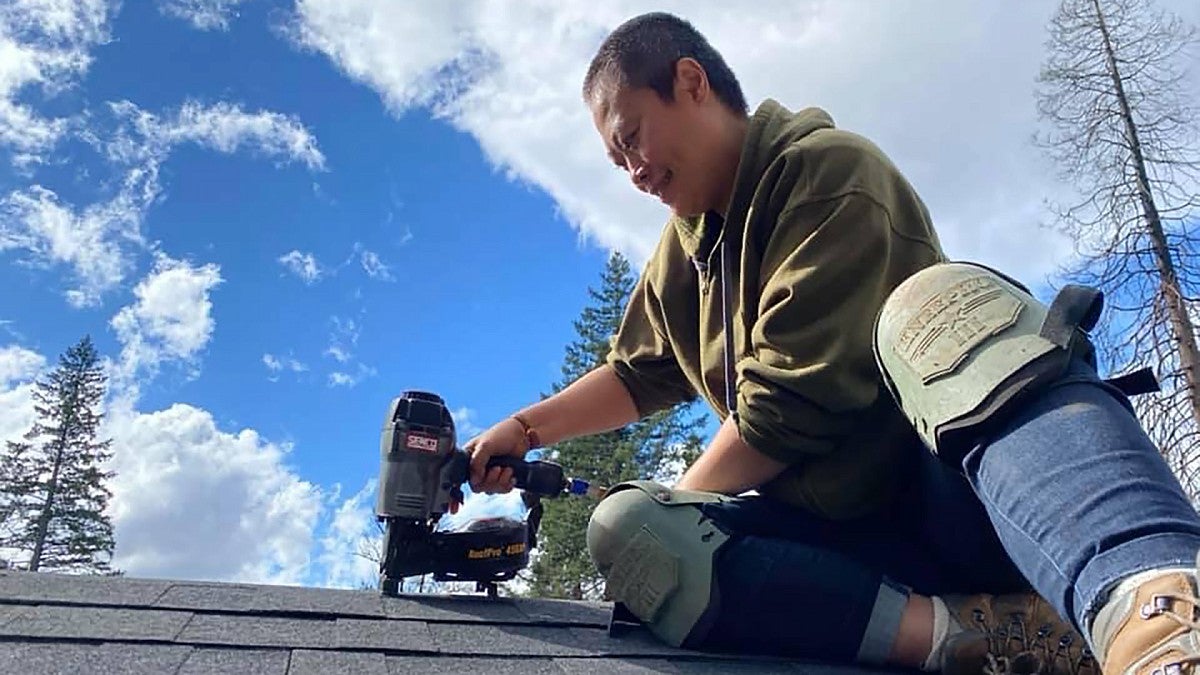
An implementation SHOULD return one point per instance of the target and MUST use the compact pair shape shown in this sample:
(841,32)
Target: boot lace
(1160,605)
(1013,650)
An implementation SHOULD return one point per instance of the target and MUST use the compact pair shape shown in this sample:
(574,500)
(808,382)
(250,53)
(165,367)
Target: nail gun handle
(538,477)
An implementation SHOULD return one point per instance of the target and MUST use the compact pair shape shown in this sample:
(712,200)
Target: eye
(630,141)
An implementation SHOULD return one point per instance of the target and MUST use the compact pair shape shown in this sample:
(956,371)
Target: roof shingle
(53,623)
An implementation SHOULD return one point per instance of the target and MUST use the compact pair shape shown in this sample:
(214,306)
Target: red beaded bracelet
(531,436)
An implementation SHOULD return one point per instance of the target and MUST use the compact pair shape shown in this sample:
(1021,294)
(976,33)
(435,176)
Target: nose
(639,172)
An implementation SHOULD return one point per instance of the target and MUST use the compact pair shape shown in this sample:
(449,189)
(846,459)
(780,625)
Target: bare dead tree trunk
(1181,324)
(1123,130)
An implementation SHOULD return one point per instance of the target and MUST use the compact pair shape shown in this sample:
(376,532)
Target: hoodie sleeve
(642,357)
(827,269)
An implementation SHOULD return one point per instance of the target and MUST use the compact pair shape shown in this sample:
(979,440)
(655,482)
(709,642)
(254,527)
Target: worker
(917,462)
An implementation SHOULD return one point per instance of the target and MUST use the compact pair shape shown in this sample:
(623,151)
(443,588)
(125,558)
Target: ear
(691,81)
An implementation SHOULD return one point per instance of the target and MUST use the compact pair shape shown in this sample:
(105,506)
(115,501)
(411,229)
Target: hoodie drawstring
(727,328)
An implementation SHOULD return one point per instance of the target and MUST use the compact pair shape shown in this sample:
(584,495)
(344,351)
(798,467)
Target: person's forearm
(595,403)
(730,465)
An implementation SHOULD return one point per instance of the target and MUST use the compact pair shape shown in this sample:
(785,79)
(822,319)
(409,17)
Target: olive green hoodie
(820,228)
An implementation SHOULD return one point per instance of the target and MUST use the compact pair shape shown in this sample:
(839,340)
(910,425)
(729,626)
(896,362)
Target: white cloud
(310,270)
(464,423)
(303,265)
(345,329)
(192,501)
(945,88)
(16,410)
(351,533)
(374,267)
(90,241)
(351,543)
(18,364)
(340,378)
(276,364)
(403,45)
(203,14)
(342,339)
(478,505)
(44,44)
(171,319)
(227,128)
(95,240)
(7,326)
(18,368)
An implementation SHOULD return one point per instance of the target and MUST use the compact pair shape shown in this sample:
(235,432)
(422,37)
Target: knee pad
(959,344)
(656,551)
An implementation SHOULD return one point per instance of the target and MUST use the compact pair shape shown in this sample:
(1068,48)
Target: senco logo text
(421,443)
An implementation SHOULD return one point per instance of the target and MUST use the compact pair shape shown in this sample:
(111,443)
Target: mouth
(659,188)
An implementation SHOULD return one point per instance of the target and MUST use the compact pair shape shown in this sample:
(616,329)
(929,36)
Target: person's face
(664,147)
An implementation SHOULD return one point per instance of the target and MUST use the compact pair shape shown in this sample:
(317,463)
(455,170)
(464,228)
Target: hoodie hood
(772,128)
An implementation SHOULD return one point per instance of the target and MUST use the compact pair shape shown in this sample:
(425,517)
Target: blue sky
(426,267)
(274,216)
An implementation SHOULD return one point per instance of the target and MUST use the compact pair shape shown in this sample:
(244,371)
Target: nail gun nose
(578,486)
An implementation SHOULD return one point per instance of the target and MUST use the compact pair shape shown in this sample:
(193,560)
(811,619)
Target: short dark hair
(642,52)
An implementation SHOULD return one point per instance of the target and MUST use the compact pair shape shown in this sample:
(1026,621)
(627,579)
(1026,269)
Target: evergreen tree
(652,448)
(52,488)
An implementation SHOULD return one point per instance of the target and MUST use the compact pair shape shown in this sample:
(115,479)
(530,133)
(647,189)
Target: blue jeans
(1069,498)
(1080,496)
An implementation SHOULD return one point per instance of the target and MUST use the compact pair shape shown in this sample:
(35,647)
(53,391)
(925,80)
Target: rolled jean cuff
(884,624)
(1107,569)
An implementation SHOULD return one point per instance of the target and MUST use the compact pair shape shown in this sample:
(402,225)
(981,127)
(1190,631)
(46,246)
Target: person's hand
(506,437)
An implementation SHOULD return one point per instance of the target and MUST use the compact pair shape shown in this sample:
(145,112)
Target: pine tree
(53,494)
(652,448)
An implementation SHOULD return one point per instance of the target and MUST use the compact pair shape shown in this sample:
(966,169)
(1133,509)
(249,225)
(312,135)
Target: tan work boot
(1016,634)
(1148,626)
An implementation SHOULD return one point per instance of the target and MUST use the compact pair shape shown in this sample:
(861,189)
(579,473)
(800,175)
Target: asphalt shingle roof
(54,623)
